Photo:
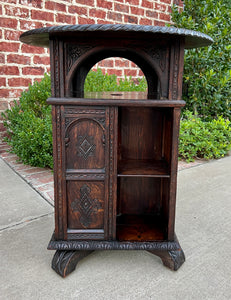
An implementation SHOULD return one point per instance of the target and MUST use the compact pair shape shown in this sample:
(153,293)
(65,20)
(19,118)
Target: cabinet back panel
(140,133)
(137,195)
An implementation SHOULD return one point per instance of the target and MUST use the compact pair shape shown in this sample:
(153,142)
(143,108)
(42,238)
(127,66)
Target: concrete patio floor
(203,227)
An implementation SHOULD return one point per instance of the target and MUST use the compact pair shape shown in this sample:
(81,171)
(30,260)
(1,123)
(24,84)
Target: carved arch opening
(150,68)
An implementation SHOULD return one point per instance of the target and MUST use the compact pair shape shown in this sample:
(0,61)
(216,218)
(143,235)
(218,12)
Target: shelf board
(144,168)
(140,228)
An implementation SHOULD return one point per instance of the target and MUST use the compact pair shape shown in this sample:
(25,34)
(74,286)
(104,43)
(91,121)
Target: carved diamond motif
(86,206)
(85,146)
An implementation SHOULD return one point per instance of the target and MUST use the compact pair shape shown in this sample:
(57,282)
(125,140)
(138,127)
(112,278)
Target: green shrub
(28,125)
(207,72)
(200,139)
(98,82)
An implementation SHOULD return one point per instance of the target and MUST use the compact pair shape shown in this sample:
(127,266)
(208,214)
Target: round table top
(40,37)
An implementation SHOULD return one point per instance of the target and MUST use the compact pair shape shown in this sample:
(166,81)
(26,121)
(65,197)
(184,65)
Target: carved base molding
(69,253)
(113,245)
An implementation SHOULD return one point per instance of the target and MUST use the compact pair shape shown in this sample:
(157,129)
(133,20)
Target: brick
(4,93)
(159,23)
(28,25)
(145,22)
(18,81)
(9,70)
(61,18)
(114,16)
(2,83)
(167,1)
(32,3)
(33,71)
(32,49)
(104,4)
(114,71)
(151,14)
(102,22)
(55,6)
(147,4)
(18,59)
(133,65)
(82,20)
(8,23)
(122,8)
(130,19)
(122,63)
(160,7)
(132,2)
(16,11)
(129,72)
(10,93)
(108,63)
(42,15)
(12,35)
(41,60)
(86,2)
(97,13)
(140,73)
(80,10)
(10,1)
(2,58)
(165,17)
(137,11)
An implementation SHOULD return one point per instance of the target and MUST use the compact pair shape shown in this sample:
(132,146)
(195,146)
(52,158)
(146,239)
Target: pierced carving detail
(86,206)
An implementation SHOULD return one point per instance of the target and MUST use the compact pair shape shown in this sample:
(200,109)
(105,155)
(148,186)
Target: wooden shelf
(144,168)
(139,228)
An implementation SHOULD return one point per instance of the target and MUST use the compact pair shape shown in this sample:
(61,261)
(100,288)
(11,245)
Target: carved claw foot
(173,259)
(64,262)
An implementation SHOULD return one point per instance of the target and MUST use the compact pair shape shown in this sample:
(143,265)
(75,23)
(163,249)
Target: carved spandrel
(73,52)
(159,56)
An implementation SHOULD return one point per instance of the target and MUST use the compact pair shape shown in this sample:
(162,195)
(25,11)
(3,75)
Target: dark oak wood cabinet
(115,154)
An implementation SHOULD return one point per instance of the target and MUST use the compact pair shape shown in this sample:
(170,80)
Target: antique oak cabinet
(115,154)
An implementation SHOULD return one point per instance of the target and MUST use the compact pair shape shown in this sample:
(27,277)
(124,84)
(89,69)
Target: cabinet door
(86,157)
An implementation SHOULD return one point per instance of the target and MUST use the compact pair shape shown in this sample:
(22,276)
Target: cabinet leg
(173,259)
(64,262)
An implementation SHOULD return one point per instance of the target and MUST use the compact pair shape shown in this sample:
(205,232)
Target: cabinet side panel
(59,180)
(173,176)
(113,146)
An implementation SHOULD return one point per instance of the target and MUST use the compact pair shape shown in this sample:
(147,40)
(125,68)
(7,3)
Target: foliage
(207,73)
(98,82)
(28,125)
(201,139)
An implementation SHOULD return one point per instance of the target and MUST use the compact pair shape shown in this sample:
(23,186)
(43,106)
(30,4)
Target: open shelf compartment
(143,172)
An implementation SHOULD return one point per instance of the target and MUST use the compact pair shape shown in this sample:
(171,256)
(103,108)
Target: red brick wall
(21,64)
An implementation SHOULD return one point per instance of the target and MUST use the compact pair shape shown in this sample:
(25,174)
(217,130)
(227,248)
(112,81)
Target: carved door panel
(86,155)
